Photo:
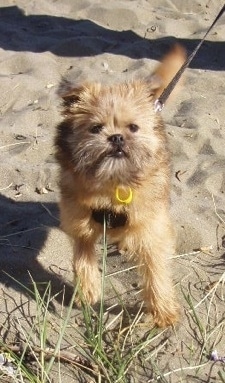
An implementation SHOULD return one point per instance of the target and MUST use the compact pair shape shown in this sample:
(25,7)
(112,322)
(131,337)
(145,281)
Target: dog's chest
(110,218)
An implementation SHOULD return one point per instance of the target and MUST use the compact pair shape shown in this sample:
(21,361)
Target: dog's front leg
(86,271)
(150,249)
(158,291)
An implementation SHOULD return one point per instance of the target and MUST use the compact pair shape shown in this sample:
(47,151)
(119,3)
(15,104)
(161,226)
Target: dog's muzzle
(117,142)
(111,219)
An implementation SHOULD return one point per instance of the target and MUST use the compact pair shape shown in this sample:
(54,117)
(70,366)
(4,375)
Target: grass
(66,345)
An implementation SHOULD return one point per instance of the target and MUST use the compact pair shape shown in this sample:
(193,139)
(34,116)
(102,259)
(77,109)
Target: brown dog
(115,168)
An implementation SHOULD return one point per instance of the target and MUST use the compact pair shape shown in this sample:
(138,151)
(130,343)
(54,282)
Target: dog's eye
(133,128)
(95,129)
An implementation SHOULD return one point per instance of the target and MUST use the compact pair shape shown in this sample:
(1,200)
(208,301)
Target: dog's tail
(167,69)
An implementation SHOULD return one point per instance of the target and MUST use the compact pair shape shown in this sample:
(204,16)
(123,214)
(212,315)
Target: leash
(160,102)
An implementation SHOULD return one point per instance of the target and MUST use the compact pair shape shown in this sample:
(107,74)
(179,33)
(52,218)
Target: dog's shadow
(24,227)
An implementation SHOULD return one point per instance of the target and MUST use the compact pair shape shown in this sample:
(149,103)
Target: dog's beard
(99,160)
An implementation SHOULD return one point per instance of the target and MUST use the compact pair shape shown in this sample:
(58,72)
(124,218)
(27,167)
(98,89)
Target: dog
(115,171)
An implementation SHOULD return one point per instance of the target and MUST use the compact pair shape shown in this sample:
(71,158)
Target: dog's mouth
(117,152)
(114,155)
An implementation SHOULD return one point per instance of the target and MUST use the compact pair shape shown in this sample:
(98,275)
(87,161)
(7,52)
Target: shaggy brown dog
(115,168)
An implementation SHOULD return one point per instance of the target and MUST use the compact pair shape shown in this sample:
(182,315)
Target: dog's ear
(167,69)
(69,93)
(71,97)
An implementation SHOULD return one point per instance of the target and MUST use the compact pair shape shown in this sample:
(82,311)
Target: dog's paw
(88,294)
(166,318)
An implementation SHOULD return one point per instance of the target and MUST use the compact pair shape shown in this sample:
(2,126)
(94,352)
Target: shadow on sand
(74,38)
(24,228)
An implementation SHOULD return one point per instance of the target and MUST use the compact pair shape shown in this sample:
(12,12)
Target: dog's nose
(116,139)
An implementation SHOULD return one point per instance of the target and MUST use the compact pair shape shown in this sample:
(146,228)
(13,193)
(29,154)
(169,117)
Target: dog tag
(124,195)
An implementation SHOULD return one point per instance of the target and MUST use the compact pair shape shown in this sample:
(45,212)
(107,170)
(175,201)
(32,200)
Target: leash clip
(158,105)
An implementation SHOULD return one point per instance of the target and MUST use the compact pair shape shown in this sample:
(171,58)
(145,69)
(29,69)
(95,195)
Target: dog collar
(111,219)
(124,195)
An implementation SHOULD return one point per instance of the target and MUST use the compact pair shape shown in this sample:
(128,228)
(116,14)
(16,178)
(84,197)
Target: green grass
(67,345)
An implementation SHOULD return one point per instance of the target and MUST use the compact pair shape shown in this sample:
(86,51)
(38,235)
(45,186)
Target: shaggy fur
(112,139)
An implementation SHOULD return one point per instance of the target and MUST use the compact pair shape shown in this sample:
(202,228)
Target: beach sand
(43,41)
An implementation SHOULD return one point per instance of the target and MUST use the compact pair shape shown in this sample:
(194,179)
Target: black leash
(160,102)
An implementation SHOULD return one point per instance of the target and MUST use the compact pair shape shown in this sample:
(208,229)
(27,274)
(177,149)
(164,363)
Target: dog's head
(112,133)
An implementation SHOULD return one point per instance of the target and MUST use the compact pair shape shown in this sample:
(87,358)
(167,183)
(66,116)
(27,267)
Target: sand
(43,41)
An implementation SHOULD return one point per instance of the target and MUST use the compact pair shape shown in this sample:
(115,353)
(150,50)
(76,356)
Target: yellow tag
(124,195)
